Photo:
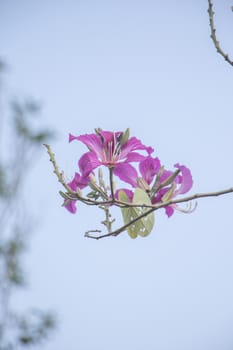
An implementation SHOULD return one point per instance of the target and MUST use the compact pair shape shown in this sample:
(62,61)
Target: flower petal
(186,180)
(72,138)
(169,210)
(128,192)
(70,206)
(110,136)
(127,173)
(79,181)
(134,144)
(88,162)
(149,167)
(165,175)
(93,143)
(134,157)
(158,196)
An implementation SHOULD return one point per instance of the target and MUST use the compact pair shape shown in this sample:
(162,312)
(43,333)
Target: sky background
(149,66)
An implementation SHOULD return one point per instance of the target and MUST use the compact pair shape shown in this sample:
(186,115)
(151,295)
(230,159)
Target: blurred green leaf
(41,137)
(22,113)
(26,340)
(3,185)
(35,326)
(24,135)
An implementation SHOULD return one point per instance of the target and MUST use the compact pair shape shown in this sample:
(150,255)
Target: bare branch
(105,204)
(213,34)
(159,206)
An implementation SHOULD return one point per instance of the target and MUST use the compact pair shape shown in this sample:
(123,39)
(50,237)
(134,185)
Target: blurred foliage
(34,327)
(20,140)
(3,191)
(21,111)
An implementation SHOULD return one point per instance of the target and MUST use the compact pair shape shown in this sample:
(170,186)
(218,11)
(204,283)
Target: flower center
(112,150)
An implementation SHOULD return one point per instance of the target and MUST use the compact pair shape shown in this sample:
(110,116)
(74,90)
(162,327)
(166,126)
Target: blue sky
(152,67)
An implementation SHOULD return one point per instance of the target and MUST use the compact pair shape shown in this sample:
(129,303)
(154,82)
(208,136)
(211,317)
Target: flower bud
(143,184)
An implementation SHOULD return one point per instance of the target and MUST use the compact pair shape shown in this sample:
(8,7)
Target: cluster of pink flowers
(133,163)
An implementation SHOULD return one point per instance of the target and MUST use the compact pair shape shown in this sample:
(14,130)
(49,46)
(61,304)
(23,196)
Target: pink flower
(78,182)
(109,149)
(183,183)
(148,168)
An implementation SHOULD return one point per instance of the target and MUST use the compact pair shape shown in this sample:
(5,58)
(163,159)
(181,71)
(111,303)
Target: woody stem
(111,182)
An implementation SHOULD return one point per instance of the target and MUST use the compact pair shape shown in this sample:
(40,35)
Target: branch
(159,206)
(105,204)
(213,34)
(111,182)
(70,194)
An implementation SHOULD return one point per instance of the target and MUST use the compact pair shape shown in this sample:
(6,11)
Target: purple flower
(148,168)
(183,183)
(109,149)
(78,182)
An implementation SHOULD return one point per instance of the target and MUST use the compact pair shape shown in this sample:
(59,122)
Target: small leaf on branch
(143,226)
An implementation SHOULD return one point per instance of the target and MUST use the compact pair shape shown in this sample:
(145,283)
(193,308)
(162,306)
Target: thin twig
(105,204)
(164,204)
(72,195)
(213,34)
(87,233)
(57,171)
(161,205)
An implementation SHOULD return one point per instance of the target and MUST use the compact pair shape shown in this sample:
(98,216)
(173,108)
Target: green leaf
(143,226)
(128,214)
